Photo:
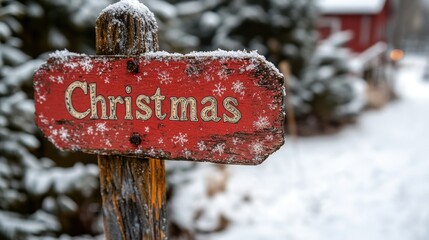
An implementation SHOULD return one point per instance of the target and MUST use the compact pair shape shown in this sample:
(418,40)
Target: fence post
(133,189)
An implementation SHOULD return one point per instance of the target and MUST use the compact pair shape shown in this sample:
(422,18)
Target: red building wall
(367,29)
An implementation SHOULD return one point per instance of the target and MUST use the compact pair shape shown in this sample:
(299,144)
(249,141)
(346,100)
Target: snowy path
(370,181)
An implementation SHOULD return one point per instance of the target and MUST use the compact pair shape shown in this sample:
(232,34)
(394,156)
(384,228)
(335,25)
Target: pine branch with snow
(37,198)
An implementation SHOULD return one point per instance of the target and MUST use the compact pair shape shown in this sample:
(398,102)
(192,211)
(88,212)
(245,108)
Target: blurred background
(355,164)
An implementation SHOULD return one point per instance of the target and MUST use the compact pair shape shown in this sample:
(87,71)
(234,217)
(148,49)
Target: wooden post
(132,189)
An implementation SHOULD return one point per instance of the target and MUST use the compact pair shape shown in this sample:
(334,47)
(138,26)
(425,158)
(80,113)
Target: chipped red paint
(244,127)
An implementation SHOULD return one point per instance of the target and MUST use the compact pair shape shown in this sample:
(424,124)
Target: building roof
(351,6)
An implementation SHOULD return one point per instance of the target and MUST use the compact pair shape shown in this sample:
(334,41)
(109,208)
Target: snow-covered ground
(370,181)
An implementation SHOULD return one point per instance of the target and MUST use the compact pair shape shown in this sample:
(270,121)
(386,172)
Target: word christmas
(224,107)
(208,113)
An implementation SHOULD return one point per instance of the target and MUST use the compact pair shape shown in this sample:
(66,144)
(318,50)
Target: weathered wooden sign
(224,107)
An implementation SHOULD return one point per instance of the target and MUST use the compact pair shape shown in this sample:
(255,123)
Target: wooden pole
(133,189)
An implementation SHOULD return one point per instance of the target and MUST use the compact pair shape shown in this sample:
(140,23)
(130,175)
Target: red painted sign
(224,107)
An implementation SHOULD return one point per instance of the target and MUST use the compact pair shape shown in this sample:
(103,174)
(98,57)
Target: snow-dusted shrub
(328,91)
(37,198)
(278,29)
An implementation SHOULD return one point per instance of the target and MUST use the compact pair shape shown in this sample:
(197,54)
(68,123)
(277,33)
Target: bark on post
(132,189)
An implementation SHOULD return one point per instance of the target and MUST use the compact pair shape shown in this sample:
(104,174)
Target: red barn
(366,19)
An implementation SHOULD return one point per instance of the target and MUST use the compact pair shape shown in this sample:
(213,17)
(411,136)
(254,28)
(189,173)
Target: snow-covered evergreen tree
(278,29)
(37,198)
(328,92)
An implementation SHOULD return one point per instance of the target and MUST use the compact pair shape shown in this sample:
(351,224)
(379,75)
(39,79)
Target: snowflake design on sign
(103,66)
(58,79)
(219,148)
(180,139)
(257,148)
(86,64)
(261,123)
(223,73)
(269,137)
(164,77)
(90,130)
(241,70)
(43,119)
(236,141)
(151,152)
(64,134)
(138,151)
(160,141)
(219,90)
(101,127)
(272,106)
(55,132)
(208,78)
(238,87)
(253,64)
(41,99)
(108,143)
(71,65)
(187,153)
(201,146)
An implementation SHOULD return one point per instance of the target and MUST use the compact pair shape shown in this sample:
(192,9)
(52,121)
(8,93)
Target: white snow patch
(62,180)
(134,7)
(351,6)
(63,57)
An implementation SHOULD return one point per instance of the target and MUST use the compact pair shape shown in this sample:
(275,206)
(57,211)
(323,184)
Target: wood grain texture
(133,194)
(133,189)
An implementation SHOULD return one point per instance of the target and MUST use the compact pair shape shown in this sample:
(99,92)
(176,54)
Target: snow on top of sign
(62,57)
(227,54)
(218,55)
(351,6)
(222,54)
(163,54)
(134,7)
